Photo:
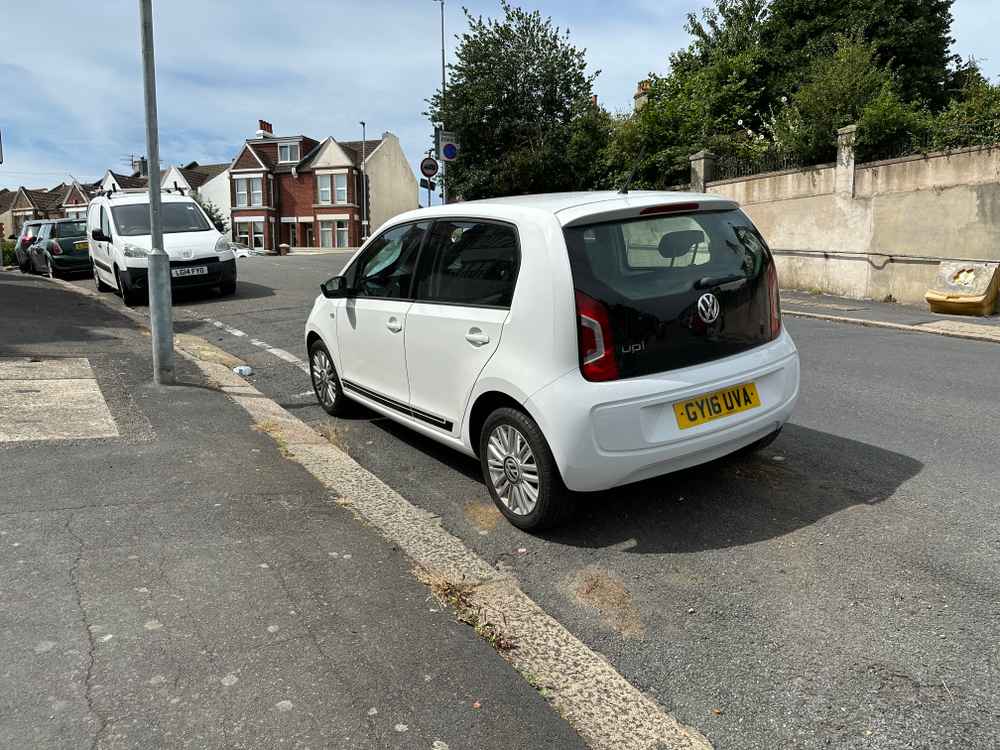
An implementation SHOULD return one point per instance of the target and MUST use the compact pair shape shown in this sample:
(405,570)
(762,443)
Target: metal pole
(161,315)
(364,184)
(444,197)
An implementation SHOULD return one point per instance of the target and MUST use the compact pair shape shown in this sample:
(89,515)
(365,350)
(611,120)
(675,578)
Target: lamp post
(161,314)
(444,197)
(364,184)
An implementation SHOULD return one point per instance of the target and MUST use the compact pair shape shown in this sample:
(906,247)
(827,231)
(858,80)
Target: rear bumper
(218,272)
(603,435)
(71,262)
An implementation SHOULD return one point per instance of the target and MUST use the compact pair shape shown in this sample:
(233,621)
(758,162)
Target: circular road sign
(450,151)
(428,167)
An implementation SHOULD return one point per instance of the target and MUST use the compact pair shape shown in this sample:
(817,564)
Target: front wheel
(325,381)
(227,288)
(520,472)
(101,286)
(129,295)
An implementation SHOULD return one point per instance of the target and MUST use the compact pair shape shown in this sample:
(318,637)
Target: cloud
(73,104)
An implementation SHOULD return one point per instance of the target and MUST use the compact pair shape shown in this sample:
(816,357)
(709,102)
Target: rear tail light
(54,248)
(597,345)
(772,294)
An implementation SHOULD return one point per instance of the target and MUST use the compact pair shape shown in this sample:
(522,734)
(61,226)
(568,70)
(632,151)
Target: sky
(71,80)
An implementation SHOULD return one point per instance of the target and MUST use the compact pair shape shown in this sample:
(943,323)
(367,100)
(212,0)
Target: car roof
(122,199)
(569,208)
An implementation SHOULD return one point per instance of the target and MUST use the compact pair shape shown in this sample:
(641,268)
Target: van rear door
(664,291)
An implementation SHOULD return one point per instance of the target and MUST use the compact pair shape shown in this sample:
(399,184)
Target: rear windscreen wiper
(706,281)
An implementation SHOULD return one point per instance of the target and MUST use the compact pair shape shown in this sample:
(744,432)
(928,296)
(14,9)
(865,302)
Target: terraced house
(303,192)
(66,200)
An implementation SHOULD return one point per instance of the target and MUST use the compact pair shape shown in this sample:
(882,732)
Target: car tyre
(520,471)
(129,295)
(227,288)
(24,266)
(326,381)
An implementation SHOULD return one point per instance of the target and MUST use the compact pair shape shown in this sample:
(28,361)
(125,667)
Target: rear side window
(387,266)
(469,263)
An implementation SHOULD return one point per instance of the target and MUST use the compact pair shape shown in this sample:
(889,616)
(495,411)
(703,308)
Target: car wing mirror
(335,288)
(98,236)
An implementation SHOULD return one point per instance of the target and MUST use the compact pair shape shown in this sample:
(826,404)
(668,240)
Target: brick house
(303,192)
(65,201)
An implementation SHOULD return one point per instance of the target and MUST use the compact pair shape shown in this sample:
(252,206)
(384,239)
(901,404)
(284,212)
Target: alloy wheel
(323,377)
(513,470)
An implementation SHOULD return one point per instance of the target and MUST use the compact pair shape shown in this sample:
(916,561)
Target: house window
(340,183)
(243,232)
(288,152)
(241,193)
(342,239)
(292,238)
(326,234)
(258,233)
(323,182)
(256,191)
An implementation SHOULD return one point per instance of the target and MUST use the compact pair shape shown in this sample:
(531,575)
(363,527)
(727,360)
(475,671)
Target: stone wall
(873,230)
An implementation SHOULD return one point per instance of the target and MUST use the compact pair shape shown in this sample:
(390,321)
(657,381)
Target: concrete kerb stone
(962,331)
(608,711)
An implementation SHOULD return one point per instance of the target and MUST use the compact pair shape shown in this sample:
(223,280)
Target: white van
(118,231)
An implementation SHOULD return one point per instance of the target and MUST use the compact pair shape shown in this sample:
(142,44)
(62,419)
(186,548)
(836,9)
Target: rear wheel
(325,381)
(520,472)
(24,266)
(50,269)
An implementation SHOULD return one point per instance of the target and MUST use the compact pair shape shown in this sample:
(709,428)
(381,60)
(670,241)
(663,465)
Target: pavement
(838,591)
(170,578)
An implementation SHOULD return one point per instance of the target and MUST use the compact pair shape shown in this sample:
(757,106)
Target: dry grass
(457,595)
(600,590)
(332,433)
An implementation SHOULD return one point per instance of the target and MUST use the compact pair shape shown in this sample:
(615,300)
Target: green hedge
(8,253)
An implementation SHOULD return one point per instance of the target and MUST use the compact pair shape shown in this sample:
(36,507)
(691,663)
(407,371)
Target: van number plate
(716,405)
(190,271)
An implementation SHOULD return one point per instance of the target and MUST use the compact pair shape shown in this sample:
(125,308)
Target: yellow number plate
(716,405)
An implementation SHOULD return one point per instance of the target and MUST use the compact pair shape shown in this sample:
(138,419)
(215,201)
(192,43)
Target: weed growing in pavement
(270,427)
(457,595)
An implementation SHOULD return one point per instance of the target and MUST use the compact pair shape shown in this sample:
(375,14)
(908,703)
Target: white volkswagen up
(118,231)
(571,342)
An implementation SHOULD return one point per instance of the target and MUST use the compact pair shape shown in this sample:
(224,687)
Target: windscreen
(133,219)
(652,273)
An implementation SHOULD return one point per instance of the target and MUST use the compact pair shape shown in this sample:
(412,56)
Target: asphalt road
(839,591)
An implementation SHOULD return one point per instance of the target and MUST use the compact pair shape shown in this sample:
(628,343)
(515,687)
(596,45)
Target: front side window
(133,220)
(242,193)
(323,189)
(342,239)
(469,262)
(387,266)
(288,152)
(105,222)
(340,183)
(326,234)
(256,191)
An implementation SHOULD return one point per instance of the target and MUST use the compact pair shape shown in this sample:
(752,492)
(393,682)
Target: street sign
(428,185)
(428,167)
(448,146)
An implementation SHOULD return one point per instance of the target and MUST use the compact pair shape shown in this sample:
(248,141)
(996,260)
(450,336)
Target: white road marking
(273,350)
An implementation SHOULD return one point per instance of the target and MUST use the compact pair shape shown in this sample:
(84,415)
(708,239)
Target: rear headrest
(675,245)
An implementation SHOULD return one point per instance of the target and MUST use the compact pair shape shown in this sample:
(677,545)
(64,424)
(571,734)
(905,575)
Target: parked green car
(60,247)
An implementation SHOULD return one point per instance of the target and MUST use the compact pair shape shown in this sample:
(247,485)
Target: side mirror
(335,288)
(98,236)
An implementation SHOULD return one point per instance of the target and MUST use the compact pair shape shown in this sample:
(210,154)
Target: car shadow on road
(725,503)
(803,477)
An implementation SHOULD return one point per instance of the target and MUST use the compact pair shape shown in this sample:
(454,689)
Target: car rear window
(66,229)
(649,273)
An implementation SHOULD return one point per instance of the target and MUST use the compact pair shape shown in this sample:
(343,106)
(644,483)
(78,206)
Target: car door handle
(476,337)
(394,325)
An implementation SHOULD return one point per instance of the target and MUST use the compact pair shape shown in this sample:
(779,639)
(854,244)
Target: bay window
(243,232)
(326,234)
(256,191)
(323,189)
(241,193)
(257,227)
(340,184)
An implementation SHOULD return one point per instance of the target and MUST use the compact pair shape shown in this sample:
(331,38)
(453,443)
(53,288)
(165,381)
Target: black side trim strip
(103,266)
(395,405)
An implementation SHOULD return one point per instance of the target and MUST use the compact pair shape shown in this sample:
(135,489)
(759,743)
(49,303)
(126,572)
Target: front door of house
(307,238)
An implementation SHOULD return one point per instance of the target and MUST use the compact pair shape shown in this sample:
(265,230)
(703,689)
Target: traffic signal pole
(161,314)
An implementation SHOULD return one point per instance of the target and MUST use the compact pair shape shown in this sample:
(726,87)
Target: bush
(9,259)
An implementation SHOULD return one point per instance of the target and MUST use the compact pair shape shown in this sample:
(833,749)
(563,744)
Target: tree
(519,100)
(215,215)
(911,37)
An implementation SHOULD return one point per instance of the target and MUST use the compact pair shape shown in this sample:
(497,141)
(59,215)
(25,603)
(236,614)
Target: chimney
(142,167)
(641,93)
(593,100)
(264,129)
